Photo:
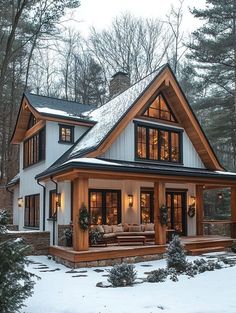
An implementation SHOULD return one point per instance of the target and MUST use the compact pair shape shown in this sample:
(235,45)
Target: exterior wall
(132,215)
(28,184)
(123,148)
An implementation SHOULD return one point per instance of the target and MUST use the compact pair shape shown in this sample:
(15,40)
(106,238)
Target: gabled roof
(48,108)
(14,181)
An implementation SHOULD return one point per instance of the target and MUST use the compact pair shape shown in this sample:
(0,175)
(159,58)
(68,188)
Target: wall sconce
(192,201)
(130,198)
(220,195)
(58,200)
(20,202)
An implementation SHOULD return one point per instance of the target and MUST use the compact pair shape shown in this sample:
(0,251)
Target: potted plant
(95,236)
(67,236)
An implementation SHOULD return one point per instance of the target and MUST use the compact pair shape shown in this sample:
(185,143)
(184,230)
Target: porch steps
(205,250)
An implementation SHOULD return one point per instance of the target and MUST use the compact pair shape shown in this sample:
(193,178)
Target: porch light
(220,195)
(130,199)
(58,200)
(20,202)
(192,201)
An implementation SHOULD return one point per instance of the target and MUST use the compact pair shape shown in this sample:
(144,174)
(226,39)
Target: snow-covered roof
(108,115)
(14,180)
(58,107)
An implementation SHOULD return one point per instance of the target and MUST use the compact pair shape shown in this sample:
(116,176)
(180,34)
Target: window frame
(160,128)
(50,213)
(71,127)
(34,147)
(28,224)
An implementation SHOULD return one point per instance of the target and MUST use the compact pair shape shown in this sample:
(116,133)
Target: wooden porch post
(159,200)
(199,209)
(80,195)
(233,211)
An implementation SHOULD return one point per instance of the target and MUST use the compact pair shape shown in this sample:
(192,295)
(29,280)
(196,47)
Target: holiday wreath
(83,217)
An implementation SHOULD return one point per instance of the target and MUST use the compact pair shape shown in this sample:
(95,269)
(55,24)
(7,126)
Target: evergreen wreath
(163,215)
(84,217)
(191,211)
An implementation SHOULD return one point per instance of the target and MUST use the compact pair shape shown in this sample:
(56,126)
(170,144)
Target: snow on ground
(60,292)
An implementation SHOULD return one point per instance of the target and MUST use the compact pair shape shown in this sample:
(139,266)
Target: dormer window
(66,134)
(159,109)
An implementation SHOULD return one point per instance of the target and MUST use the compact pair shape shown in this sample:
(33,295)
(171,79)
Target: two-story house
(124,160)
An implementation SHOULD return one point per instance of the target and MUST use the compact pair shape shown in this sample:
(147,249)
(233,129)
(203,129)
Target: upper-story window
(32,121)
(159,109)
(66,134)
(34,148)
(158,143)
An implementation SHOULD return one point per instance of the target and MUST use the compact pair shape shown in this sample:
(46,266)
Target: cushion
(107,229)
(149,227)
(133,228)
(117,229)
(100,229)
(126,227)
(110,235)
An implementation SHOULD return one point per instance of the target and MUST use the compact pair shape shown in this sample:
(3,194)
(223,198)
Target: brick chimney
(120,82)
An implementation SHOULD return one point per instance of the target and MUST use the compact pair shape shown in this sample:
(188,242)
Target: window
(158,144)
(159,109)
(147,206)
(105,206)
(32,211)
(32,121)
(34,148)
(52,203)
(66,134)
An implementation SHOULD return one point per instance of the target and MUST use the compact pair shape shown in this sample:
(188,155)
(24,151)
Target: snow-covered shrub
(176,257)
(95,236)
(203,265)
(122,275)
(173,274)
(157,276)
(3,220)
(15,282)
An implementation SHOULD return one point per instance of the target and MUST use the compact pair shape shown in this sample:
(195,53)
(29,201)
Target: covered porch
(132,179)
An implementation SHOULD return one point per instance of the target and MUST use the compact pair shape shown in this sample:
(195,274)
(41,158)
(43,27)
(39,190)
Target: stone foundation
(110,262)
(39,241)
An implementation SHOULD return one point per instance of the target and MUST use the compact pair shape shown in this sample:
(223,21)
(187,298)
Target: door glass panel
(96,208)
(168,204)
(174,202)
(146,207)
(111,208)
(164,138)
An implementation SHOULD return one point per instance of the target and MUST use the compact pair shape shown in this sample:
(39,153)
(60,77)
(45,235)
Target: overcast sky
(99,13)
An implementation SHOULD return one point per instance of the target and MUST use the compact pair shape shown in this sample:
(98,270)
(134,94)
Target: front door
(146,204)
(176,204)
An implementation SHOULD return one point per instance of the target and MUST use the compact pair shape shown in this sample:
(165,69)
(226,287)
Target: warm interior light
(192,201)
(58,200)
(20,202)
(94,197)
(130,198)
(220,195)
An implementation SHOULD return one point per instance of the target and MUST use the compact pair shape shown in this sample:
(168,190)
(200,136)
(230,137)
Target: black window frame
(71,127)
(27,214)
(38,144)
(159,128)
(104,215)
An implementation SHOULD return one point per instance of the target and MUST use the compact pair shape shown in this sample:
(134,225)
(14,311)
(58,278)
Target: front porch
(112,254)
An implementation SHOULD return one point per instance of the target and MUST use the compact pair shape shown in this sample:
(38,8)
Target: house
(124,160)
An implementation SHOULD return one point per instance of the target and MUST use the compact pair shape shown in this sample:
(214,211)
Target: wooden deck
(95,255)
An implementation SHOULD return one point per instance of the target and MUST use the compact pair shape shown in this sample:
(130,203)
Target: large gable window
(34,148)
(158,143)
(159,109)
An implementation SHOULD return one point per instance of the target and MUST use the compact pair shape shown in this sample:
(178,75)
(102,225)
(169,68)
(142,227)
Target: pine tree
(176,257)
(213,52)
(16,283)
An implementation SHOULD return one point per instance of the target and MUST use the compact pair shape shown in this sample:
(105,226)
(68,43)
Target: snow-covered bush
(3,220)
(203,265)
(176,257)
(15,282)
(95,236)
(122,275)
(157,276)
(173,274)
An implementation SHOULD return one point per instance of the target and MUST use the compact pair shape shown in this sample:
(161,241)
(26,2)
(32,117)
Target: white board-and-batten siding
(123,148)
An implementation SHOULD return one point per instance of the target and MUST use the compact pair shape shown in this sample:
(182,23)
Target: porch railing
(216,227)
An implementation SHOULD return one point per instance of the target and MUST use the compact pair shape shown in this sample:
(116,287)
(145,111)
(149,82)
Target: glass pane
(168,203)
(159,109)
(145,207)
(37,210)
(164,138)
(141,142)
(111,208)
(96,207)
(153,144)
(175,157)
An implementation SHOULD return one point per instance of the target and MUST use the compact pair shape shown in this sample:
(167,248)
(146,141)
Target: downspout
(44,203)
(54,215)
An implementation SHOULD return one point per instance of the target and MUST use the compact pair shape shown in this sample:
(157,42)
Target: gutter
(44,202)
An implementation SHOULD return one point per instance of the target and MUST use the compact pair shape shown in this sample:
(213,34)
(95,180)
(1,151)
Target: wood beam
(199,209)
(80,195)
(159,200)
(233,212)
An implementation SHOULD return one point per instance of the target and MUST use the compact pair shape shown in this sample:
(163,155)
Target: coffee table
(131,239)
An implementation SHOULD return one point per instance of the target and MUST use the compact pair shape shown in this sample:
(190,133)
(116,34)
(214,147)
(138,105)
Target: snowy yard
(61,292)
